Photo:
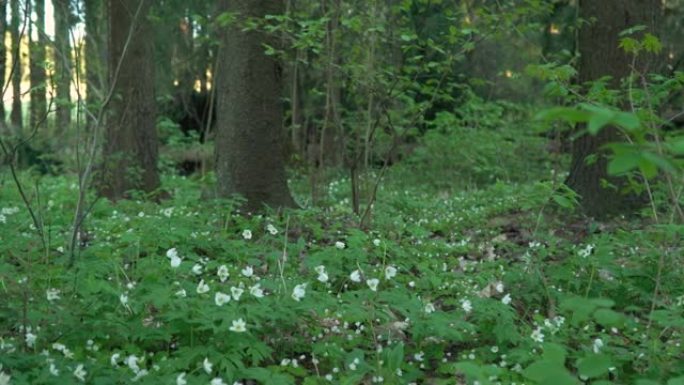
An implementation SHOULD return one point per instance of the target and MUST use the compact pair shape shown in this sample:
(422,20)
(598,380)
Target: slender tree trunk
(130,150)
(249,143)
(601,56)
(3,54)
(63,65)
(15,117)
(38,98)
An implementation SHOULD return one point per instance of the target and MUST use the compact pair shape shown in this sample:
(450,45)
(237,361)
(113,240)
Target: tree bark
(601,56)
(16,115)
(62,75)
(130,150)
(3,53)
(94,47)
(38,98)
(249,142)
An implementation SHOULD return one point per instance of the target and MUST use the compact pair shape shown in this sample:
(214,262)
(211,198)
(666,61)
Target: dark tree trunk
(95,32)
(62,64)
(249,143)
(15,117)
(38,99)
(601,56)
(130,150)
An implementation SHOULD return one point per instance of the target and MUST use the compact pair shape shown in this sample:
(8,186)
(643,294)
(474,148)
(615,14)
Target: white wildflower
(466,305)
(132,363)
(172,253)
(499,287)
(207,365)
(247,234)
(181,293)
(373,283)
(218,381)
(598,344)
(506,300)
(197,269)
(376,242)
(390,272)
(239,326)
(53,370)
(271,229)
(537,335)
(340,245)
(175,262)
(180,380)
(299,292)
(202,287)
(236,292)
(355,276)
(248,271)
(30,339)
(256,291)
(80,373)
(223,273)
(52,294)
(586,251)
(113,360)
(123,298)
(221,298)
(322,274)
(429,308)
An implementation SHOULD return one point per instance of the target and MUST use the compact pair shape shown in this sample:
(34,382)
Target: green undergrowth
(488,286)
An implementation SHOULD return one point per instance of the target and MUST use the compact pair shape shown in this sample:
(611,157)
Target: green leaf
(609,318)
(545,372)
(676,381)
(554,353)
(623,163)
(599,119)
(594,365)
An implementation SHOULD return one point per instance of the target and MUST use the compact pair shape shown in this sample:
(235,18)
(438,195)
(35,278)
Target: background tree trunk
(601,56)
(62,64)
(95,69)
(15,117)
(249,142)
(130,151)
(38,99)
(3,53)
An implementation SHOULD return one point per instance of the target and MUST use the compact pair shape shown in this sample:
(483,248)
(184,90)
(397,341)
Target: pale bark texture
(63,65)
(38,98)
(602,56)
(130,150)
(249,142)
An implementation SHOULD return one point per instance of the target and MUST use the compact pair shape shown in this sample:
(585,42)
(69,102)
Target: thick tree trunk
(249,143)
(62,64)
(601,56)
(38,98)
(130,150)
(15,117)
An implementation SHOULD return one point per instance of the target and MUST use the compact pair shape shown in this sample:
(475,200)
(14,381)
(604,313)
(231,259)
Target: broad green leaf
(609,318)
(623,163)
(594,365)
(545,372)
(554,353)
(598,120)
(676,381)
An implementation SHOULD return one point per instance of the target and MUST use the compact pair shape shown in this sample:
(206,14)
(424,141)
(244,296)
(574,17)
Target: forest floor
(489,285)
